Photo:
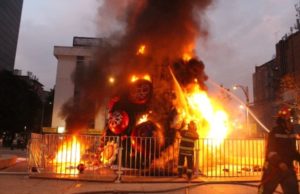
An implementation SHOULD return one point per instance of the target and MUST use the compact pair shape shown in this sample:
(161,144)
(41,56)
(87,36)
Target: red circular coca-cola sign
(140,91)
(118,121)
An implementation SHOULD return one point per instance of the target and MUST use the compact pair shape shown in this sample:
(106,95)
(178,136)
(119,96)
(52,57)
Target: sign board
(94,132)
(83,41)
(49,130)
(91,131)
(83,131)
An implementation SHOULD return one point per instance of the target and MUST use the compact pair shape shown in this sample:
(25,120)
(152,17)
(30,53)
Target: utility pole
(245,90)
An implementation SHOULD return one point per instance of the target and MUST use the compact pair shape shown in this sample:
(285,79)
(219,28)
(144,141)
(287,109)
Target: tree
(289,94)
(20,106)
(48,108)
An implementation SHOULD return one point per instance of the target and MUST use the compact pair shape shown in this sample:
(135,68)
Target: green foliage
(20,105)
(48,108)
(288,82)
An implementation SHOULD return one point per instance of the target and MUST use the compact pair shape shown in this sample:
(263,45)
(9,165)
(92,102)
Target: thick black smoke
(168,28)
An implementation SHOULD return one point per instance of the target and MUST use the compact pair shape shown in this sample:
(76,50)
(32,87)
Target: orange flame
(135,78)
(143,119)
(193,104)
(147,77)
(69,152)
(202,107)
(188,52)
(141,50)
(186,57)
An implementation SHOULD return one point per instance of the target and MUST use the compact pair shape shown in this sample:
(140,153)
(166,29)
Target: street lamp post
(245,90)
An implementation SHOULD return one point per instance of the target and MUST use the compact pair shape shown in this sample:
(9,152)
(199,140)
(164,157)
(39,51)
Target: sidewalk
(21,167)
(23,184)
(12,184)
(14,181)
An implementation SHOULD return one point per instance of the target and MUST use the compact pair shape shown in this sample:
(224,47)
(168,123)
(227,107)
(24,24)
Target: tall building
(10,17)
(277,82)
(69,60)
(264,92)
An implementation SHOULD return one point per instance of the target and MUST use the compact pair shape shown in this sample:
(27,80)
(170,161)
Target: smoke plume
(167,28)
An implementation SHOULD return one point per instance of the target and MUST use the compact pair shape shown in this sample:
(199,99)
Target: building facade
(10,17)
(277,82)
(70,59)
(264,92)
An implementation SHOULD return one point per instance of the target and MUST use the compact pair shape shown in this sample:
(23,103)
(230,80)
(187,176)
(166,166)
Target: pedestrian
(186,149)
(280,155)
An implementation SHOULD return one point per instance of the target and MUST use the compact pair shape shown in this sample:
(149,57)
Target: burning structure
(155,84)
(156,35)
(158,42)
(159,83)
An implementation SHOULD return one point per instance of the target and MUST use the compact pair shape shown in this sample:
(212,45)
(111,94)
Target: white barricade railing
(97,156)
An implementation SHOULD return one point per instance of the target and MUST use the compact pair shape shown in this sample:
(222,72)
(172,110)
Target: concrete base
(7,161)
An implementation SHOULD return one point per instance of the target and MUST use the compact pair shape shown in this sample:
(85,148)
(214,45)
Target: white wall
(64,87)
(100,118)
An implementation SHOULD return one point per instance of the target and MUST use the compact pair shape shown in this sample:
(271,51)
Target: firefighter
(186,149)
(280,154)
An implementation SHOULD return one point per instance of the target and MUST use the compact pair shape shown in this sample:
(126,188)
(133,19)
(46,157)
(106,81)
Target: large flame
(193,104)
(69,152)
(201,107)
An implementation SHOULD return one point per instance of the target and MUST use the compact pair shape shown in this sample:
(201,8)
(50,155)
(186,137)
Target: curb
(7,161)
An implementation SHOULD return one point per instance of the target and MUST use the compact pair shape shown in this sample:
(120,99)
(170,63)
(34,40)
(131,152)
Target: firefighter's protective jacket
(282,147)
(188,138)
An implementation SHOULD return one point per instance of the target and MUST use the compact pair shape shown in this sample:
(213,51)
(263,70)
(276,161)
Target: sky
(242,35)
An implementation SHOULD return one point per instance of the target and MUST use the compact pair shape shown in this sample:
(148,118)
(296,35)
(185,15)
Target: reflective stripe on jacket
(187,142)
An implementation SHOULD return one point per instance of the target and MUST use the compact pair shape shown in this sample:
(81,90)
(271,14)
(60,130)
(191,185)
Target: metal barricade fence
(68,155)
(146,156)
(230,157)
(34,152)
(97,156)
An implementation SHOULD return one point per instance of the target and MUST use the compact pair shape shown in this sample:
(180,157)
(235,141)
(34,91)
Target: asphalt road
(18,152)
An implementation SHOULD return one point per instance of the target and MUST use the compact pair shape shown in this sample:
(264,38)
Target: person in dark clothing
(186,149)
(280,154)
